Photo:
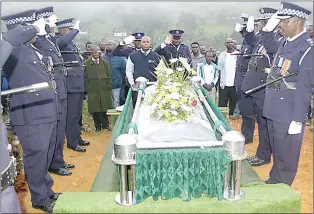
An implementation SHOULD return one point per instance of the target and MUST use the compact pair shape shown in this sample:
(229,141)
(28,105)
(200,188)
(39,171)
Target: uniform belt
(282,85)
(241,69)
(253,68)
(74,68)
(8,175)
(60,71)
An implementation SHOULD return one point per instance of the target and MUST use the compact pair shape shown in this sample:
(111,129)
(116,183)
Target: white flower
(169,71)
(185,63)
(186,108)
(180,69)
(172,106)
(154,106)
(175,96)
(167,86)
(174,113)
(163,102)
(173,60)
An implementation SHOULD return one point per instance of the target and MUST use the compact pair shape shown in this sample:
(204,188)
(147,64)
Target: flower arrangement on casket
(174,97)
(171,108)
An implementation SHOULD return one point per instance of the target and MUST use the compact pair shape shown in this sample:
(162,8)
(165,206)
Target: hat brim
(281,16)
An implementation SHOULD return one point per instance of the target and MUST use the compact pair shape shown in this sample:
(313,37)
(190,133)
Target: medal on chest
(284,65)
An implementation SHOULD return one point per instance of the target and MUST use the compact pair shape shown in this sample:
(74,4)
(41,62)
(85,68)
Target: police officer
(135,38)
(172,47)
(125,52)
(245,105)
(256,75)
(286,101)
(75,83)
(45,44)
(33,115)
(9,200)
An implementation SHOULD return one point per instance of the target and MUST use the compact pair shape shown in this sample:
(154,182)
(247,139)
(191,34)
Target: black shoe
(55,196)
(47,208)
(258,162)
(61,171)
(107,128)
(83,143)
(270,181)
(69,166)
(248,141)
(78,148)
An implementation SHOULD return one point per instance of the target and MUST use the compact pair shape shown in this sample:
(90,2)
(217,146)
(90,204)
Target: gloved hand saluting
(127,40)
(51,20)
(40,25)
(238,28)
(243,15)
(271,24)
(295,128)
(77,25)
(250,24)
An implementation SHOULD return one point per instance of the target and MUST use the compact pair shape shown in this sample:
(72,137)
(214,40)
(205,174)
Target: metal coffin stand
(125,147)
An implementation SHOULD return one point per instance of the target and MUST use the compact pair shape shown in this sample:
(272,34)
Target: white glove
(77,25)
(128,40)
(271,24)
(51,20)
(295,128)
(243,15)
(238,27)
(40,24)
(250,24)
(120,108)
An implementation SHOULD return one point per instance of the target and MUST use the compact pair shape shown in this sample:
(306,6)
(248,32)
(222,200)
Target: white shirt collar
(145,52)
(296,36)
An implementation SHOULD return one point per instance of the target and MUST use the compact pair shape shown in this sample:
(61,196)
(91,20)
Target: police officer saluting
(9,200)
(172,47)
(135,38)
(75,83)
(33,115)
(287,101)
(125,52)
(245,105)
(45,44)
(256,75)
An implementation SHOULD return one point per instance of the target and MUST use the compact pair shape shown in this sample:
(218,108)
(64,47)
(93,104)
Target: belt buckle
(53,84)
(65,71)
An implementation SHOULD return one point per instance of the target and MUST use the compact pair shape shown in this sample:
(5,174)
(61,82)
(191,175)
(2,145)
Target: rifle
(30,88)
(247,55)
(268,83)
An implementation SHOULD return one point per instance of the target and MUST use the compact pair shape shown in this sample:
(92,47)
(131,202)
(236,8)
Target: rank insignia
(286,64)
(262,50)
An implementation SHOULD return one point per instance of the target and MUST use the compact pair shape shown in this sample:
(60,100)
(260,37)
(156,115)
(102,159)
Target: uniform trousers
(263,150)
(38,143)
(286,151)
(228,95)
(245,103)
(74,112)
(57,160)
(9,200)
